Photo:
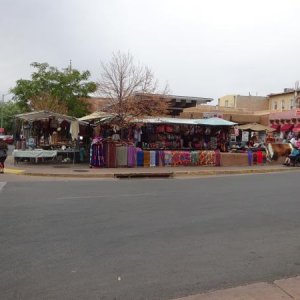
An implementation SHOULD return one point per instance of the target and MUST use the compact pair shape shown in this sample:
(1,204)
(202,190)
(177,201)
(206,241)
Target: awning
(275,126)
(214,122)
(98,115)
(206,122)
(286,127)
(255,127)
(296,128)
(44,114)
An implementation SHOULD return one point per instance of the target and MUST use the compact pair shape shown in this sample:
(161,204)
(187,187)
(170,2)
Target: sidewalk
(279,289)
(83,170)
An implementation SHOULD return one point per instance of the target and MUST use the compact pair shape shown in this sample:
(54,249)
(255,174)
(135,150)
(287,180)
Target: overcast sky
(206,48)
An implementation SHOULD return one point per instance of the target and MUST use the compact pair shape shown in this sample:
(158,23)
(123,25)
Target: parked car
(8,139)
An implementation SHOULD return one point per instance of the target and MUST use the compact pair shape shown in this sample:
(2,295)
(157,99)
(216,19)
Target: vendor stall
(151,142)
(42,134)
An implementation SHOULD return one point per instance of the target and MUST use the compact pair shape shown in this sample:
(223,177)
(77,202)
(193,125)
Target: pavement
(279,289)
(84,171)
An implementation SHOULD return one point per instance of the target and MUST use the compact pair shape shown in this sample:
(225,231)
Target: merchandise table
(33,154)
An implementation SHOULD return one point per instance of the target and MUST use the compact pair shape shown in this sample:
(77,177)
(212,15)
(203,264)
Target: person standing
(3,155)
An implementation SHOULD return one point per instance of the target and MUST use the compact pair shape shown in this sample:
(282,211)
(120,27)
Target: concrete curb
(14,171)
(232,172)
(174,174)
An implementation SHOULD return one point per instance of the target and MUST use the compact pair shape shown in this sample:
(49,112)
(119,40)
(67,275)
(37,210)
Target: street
(146,239)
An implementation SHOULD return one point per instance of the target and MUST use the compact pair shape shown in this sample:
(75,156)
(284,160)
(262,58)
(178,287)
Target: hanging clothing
(74,129)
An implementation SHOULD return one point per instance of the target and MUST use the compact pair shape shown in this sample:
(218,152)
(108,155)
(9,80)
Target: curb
(154,174)
(14,171)
(232,172)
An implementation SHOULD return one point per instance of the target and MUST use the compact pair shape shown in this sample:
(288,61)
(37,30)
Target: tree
(66,87)
(8,111)
(128,86)
(48,102)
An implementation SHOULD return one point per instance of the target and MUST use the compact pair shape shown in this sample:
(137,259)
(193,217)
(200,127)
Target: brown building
(176,103)
(249,103)
(96,103)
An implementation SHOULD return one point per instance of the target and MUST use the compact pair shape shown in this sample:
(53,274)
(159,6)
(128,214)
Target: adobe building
(248,103)
(176,103)
(285,110)
(235,108)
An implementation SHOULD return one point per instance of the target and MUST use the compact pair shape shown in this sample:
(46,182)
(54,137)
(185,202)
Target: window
(282,104)
(275,105)
(226,103)
(292,103)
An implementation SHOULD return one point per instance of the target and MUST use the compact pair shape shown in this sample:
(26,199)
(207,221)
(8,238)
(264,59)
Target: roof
(256,127)
(288,91)
(97,115)
(176,97)
(208,122)
(44,114)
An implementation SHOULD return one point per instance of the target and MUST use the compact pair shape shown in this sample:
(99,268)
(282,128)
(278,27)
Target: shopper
(3,155)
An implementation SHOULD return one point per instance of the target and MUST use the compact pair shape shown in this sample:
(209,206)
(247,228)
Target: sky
(204,48)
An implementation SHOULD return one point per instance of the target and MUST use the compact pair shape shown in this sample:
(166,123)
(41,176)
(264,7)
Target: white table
(34,154)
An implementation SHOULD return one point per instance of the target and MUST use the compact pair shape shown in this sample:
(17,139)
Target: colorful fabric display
(254,158)
(146,158)
(161,158)
(97,155)
(131,156)
(168,158)
(217,158)
(175,158)
(140,158)
(250,158)
(122,156)
(195,158)
(259,157)
(152,158)
(110,155)
(207,158)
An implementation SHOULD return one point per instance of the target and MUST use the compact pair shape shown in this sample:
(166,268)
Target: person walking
(3,155)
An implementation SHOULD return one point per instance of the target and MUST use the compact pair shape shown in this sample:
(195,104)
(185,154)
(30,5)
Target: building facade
(289,99)
(249,103)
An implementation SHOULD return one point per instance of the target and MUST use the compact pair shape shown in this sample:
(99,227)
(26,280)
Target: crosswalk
(2,185)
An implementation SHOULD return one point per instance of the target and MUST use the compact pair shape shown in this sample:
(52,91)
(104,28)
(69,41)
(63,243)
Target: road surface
(146,239)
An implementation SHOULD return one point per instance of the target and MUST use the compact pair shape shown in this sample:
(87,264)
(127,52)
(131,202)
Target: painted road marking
(2,185)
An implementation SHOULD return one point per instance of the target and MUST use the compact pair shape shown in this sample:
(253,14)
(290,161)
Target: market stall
(44,135)
(151,142)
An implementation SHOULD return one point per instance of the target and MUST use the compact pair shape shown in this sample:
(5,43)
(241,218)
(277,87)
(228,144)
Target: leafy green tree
(69,86)
(8,110)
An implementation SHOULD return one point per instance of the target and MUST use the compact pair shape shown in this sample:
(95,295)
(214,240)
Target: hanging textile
(121,156)
(97,154)
(168,158)
(160,158)
(217,158)
(110,155)
(146,158)
(74,130)
(195,158)
(259,157)
(152,158)
(250,157)
(131,156)
(140,158)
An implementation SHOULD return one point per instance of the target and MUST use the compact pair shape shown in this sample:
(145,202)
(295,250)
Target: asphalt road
(146,239)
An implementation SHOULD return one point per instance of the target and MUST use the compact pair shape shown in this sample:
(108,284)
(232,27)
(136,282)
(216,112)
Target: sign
(245,136)
(207,115)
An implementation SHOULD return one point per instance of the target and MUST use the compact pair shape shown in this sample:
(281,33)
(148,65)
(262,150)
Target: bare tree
(45,101)
(124,83)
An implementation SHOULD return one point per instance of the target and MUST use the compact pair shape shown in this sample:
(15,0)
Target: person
(3,155)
